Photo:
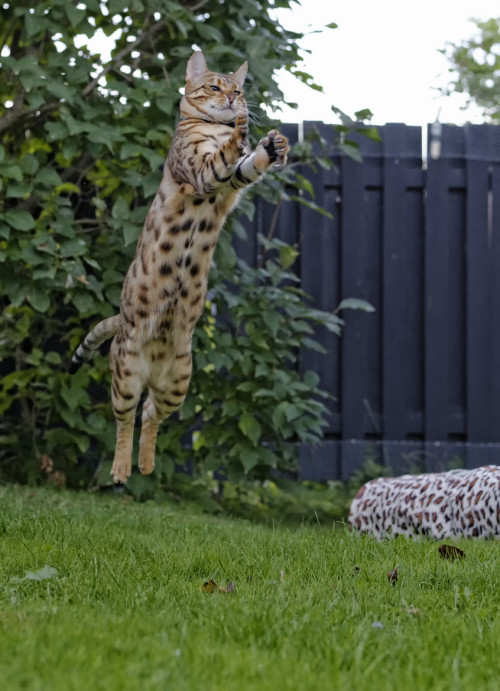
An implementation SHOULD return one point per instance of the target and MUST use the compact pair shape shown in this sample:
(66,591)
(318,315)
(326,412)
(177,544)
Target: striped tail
(100,333)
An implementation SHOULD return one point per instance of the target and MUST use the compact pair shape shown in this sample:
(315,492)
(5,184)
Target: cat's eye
(215,88)
(237,93)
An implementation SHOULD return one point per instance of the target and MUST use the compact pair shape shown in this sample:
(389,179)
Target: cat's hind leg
(126,388)
(161,402)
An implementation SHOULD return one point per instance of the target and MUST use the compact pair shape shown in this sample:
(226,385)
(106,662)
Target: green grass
(125,610)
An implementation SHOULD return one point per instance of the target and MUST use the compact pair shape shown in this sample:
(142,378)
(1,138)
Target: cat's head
(210,95)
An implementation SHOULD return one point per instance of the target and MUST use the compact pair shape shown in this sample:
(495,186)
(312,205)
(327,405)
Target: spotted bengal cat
(163,295)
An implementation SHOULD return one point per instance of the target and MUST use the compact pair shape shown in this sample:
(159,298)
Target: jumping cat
(164,292)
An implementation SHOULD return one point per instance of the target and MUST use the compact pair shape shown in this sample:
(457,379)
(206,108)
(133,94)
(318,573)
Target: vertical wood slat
(319,269)
(402,149)
(478,308)
(438,343)
(483,269)
(495,290)
(400,343)
(360,384)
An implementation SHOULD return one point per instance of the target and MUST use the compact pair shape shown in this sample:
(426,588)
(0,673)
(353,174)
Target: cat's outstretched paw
(276,146)
(273,149)
(241,127)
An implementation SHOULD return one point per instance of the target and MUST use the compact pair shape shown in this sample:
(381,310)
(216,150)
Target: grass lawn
(121,606)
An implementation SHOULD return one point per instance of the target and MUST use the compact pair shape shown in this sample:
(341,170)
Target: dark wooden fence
(417,382)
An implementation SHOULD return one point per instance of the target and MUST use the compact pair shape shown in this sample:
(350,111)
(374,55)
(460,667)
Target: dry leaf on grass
(392,576)
(414,610)
(228,589)
(451,552)
(209,586)
(212,587)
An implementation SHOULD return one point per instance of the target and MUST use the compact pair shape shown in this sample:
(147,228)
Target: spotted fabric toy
(440,505)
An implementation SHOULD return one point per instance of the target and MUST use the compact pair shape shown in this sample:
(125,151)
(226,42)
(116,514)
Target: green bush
(83,140)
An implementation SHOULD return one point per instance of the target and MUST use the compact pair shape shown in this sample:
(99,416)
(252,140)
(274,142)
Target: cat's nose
(230,98)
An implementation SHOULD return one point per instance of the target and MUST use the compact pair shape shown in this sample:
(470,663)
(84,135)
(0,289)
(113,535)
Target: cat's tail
(100,333)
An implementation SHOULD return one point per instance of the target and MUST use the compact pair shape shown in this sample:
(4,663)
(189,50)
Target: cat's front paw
(241,129)
(272,150)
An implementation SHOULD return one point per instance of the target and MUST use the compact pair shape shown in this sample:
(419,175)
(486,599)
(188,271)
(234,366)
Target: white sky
(383,56)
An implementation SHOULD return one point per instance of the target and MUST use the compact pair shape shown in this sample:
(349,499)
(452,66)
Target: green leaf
(11,171)
(62,91)
(73,248)
(48,176)
(74,15)
(131,233)
(311,379)
(53,358)
(364,114)
(249,459)
(83,302)
(29,164)
(33,24)
(250,427)
(120,210)
(351,149)
(38,299)
(20,220)
(150,183)
(288,255)
(166,105)
(355,304)
(273,321)
(18,191)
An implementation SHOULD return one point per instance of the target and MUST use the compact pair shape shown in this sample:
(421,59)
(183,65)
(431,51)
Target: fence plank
(402,250)
(494,333)
(444,269)
(478,306)
(361,278)
(320,274)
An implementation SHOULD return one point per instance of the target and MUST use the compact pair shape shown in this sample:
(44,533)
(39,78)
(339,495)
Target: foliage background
(83,142)
(475,66)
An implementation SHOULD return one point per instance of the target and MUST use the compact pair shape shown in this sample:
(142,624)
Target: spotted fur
(163,295)
(440,505)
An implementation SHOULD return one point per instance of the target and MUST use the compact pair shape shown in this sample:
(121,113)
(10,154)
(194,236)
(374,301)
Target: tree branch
(196,6)
(10,116)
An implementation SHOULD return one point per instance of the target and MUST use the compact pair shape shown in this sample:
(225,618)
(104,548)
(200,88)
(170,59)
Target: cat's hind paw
(120,471)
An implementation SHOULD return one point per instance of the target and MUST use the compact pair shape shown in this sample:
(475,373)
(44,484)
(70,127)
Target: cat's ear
(240,74)
(196,66)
